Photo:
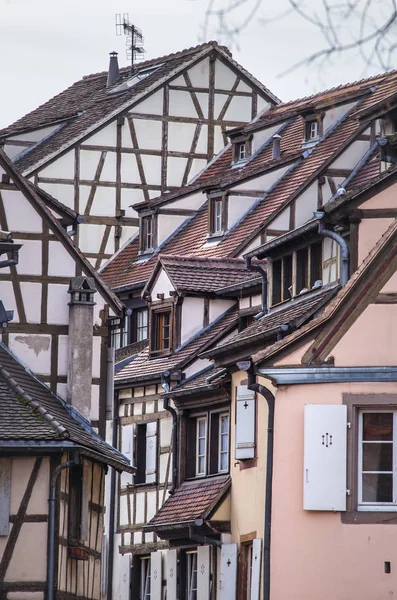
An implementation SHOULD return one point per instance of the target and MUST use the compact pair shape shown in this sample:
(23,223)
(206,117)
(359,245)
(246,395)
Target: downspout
(327,233)
(112,501)
(261,270)
(261,389)
(51,522)
(165,382)
(11,261)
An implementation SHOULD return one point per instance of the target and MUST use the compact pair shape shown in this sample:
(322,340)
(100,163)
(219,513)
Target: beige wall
(314,555)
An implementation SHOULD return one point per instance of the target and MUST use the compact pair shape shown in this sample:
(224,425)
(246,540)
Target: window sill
(215,237)
(159,353)
(360,517)
(210,476)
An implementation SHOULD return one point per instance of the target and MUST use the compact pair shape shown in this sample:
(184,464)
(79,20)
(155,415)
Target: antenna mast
(134,40)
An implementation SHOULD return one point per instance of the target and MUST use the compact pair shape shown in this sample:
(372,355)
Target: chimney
(81,313)
(114,71)
(276,146)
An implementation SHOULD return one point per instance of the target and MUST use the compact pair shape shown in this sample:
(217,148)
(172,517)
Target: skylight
(129,83)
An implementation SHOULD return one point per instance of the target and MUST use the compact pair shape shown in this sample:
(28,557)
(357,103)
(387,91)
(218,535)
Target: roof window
(136,77)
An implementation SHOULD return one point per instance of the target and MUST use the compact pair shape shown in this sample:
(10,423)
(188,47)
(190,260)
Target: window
(308,267)
(241,151)
(208,444)
(147,234)
(282,279)
(161,335)
(245,321)
(145,458)
(313,128)
(144,588)
(217,215)
(377,489)
(75,502)
(141,325)
(119,332)
(191,560)
(245,571)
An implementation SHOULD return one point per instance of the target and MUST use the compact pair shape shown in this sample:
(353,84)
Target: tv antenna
(134,39)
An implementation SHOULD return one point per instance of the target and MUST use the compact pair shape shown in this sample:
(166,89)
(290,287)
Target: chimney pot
(276,152)
(114,71)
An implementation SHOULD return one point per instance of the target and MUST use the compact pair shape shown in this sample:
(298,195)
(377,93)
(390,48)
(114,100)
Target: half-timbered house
(121,137)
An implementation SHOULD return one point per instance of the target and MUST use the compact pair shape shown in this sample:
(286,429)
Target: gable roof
(31,413)
(31,194)
(340,313)
(88,104)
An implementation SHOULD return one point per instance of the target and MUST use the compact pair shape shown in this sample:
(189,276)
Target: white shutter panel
(156,575)
(127,445)
(172,574)
(124,579)
(245,423)
(324,476)
(151,452)
(228,574)
(203,573)
(256,568)
(104,565)
(5,494)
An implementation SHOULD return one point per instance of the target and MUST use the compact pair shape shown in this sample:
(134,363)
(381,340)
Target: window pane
(378,426)
(224,462)
(201,428)
(377,488)
(225,425)
(377,457)
(201,446)
(201,465)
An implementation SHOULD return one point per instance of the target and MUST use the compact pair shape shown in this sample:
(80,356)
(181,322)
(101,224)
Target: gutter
(307,375)
(260,269)
(257,387)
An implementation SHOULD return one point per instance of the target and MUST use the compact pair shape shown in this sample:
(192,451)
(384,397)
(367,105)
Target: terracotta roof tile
(193,500)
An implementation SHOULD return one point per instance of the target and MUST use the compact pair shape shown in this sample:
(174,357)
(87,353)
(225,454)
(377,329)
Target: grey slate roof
(31,412)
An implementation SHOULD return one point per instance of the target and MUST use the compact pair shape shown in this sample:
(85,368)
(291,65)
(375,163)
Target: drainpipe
(165,382)
(112,501)
(261,389)
(11,261)
(339,240)
(51,522)
(261,270)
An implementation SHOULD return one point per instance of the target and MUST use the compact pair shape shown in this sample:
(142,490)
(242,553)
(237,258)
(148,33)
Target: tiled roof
(192,500)
(79,108)
(202,274)
(198,381)
(293,313)
(31,412)
(142,367)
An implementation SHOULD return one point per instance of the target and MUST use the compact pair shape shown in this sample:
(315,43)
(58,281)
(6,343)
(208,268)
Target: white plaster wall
(13,151)
(218,307)
(32,349)
(104,204)
(31,537)
(167,224)
(105,137)
(162,285)
(126,234)
(35,135)
(8,299)
(199,73)
(260,137)
(180,136)
(129,169)
(243,87)
(197,166)
(305,205)
(151,505)
(31,294)
(264,182)
(193,201)
(196,366)
(63,167)
(165,431)
(90,237)
(58,309)
(237,206)
(89,160)
(350,157)
(181,104)
(63,193)
(153,105)
(255,243)
(202,143)
(335,113)
(20,214)
(163,467)
(148,134)
(96,356)
(175,170)
(29,257)
(94,411)
(330,261)
(63,347)
(239,109)
(60,262)
(224,76)
(152,169)
(109,168)
(281,222)
(204,103)
(140,507)
(130,197)
(124,520)
(219,141)
(192,317)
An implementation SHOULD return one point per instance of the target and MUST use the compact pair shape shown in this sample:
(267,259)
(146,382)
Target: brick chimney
(114,71)
(81,313)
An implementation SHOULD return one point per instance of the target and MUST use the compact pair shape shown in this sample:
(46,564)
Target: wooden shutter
(228,574)
(5,494)
(245,423)
(203,573)
(325,457)
(127,445)
(156,575)
(172,574)
(256,568)
(104,565)
(123,589)
(151,452)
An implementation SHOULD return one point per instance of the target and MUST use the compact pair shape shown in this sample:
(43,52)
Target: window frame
(214,219)
(202,419)
(356,403)
(239,143)
(147,244)
(212,456)
(156,339)
(191,568)
(227,434)
(309,120)
(144,578)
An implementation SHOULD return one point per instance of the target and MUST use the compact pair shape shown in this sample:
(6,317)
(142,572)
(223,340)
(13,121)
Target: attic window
(136,77)
(313,127)
(217,217)
(147,234)
(241,149)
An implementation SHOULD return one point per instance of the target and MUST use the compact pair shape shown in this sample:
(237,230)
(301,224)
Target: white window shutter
(5,494)
(124,579)
(324,474)
(203,573)
(172,574)
(127,446)
(104,565)
(256,568)
(156,579)
(245,423)
(228,574)
(151,452)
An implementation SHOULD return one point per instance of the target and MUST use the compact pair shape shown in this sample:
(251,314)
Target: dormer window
(161,338)
(147,234)
(313,127)
(241,149)
(312,130)
(217,218)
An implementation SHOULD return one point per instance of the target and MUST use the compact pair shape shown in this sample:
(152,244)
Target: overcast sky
(46,45)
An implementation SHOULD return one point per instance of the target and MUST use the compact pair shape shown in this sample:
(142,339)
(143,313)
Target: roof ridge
(33,404)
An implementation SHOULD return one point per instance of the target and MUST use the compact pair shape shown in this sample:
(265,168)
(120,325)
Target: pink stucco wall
(314,555)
